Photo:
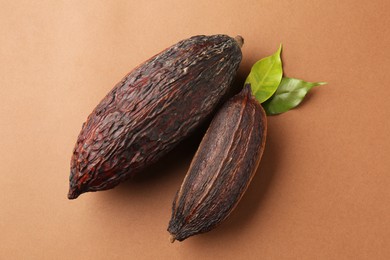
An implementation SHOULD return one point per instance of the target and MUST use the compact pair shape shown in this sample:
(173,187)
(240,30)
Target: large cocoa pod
(151,110)
(222,168)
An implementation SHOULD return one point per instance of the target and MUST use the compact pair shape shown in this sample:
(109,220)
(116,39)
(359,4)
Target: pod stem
(239,40)
(172,238)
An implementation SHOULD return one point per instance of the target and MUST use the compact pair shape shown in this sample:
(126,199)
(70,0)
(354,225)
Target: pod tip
(73,194)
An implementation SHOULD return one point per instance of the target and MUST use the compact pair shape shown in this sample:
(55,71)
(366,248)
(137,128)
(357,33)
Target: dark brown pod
(151,110)
(222,168)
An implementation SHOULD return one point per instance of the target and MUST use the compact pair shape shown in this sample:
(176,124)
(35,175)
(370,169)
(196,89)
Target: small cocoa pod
(152,109)
(222,168)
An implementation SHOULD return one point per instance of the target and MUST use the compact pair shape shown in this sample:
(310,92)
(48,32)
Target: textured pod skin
(152,109)
(222,168)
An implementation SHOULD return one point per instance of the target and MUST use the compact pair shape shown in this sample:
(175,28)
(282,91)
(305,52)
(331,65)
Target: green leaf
(289,94)
(265,76)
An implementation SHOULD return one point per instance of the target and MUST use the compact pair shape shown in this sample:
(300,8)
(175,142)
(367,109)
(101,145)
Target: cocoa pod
(152,109)
(222,167)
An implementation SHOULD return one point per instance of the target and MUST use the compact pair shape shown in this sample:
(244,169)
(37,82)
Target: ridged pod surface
(222,168)
(151,110)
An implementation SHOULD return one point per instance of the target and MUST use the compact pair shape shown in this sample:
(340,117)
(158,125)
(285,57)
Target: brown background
(322,190)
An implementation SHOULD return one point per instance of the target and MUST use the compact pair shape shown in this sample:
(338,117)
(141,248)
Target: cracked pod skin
(222,168)
(151,110)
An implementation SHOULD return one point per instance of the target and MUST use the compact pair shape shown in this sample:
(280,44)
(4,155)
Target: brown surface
(322,188)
